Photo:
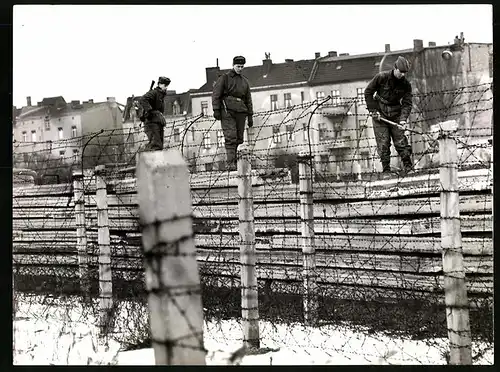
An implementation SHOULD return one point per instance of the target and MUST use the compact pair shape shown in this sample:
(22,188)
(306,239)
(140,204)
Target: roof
(277,74)
(330,70)
(55,107)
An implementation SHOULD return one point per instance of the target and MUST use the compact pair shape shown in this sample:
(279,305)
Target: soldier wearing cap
(393,101)
(153,105)
(232,104)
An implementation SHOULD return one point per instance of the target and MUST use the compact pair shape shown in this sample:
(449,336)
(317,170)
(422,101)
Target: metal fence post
(249,284)
(171,269)
(457,305)
(310,294)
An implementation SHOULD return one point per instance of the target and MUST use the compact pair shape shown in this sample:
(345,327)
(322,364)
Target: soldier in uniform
(393,101)
(232,104)
(153,105)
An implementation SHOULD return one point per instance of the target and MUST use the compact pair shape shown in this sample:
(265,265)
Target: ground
(63,332)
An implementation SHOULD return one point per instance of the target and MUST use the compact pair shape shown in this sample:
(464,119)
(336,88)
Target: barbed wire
(378,255)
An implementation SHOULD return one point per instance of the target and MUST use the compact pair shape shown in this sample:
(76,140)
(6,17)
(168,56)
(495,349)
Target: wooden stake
(105,274)
(308,248)
(457,305)
(172,277)
(249,285)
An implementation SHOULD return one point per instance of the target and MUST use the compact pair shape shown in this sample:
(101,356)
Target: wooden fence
(381,236)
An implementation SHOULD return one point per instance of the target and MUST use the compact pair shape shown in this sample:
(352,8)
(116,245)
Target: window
(60,133)
(276,135)
(324,160)
(274,102)
(176,109)
(288,100)
(177,135)
(61,153)
(73,131)
(75,154)
(301,97)
(306,132)
(33,136)
(47,123)
(320,95)
(204,108)
(221,165)
(322,132)
(25,137)
(206,140)
(360,94)
(209,167)
(337,129)
(220,138)
(336,97)
(290,135)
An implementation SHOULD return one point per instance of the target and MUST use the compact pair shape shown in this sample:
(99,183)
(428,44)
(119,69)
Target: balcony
(332,109)
(338,143)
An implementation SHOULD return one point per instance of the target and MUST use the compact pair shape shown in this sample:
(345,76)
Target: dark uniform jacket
(153,105)
(393,99)
(234,90)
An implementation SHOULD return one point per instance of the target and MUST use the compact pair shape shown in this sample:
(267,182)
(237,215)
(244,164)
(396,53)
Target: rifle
(152,84)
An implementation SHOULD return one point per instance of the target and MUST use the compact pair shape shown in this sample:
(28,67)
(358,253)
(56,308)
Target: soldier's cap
(163,80)
(239,60)
(402,64)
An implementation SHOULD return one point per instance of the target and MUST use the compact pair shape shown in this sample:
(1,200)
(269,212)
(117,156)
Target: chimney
(91,100)
(432,44)
(418,45)
(267,63)
(387,48)
(332,54)
(110,99)
(288,60)
(212,73)
(317,55)
(28,101)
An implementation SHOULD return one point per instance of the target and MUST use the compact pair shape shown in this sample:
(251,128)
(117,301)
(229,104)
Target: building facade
(55,129)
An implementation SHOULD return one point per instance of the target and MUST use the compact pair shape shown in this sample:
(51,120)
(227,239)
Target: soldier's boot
(231,159)
(386,170)
(407,165)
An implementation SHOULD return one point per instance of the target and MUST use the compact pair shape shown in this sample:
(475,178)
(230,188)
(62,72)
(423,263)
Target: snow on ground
(64,333)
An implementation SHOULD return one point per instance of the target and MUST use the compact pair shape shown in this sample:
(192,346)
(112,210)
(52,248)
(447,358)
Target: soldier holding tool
(393,102)
(232,104)
(153,105)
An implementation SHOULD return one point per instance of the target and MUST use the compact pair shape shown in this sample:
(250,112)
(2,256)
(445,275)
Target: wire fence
(377,280)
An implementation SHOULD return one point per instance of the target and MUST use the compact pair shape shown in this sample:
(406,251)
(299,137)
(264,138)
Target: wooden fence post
(457,305)
(171,269)
(105,274)
(310,295)
(81,234)
(248,257)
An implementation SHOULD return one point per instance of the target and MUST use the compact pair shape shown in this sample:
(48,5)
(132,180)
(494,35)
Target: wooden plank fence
(366,229)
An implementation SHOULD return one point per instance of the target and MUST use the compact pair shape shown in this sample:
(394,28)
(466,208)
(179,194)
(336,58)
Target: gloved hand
(217,115)
(375,115)
(403,125)
(250,121)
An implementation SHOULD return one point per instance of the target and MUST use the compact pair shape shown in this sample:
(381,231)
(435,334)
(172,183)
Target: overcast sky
(97,51)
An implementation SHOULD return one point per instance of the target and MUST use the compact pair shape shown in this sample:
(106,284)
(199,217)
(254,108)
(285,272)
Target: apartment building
(55,128)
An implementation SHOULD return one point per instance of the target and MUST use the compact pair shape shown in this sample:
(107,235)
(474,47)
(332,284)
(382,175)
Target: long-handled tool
(400,126)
